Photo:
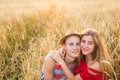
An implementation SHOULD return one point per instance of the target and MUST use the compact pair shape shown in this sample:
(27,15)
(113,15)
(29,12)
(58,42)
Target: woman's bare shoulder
(96,66)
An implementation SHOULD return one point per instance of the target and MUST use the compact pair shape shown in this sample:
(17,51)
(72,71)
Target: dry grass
(29,29)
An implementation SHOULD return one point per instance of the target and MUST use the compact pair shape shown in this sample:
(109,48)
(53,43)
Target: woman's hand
(62,52)
(56,55)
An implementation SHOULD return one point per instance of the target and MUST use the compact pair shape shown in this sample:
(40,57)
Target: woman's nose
(75,46)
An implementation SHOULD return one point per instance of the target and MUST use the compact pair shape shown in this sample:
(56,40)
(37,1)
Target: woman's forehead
(87,37)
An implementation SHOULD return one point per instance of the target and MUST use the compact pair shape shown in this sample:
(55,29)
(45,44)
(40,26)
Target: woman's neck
(89,60)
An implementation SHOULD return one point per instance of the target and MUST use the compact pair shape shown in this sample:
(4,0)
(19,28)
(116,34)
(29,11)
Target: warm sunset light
(29,29)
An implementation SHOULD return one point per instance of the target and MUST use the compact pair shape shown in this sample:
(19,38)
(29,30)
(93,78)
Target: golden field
(29,29)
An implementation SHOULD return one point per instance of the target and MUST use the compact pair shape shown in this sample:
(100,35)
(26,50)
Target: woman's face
(72,46)
(87,44)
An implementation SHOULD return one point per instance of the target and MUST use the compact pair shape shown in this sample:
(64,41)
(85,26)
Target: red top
(85,75)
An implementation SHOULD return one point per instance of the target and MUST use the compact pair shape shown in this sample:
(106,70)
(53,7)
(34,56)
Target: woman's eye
(83,41)
(71,44)
(90,43)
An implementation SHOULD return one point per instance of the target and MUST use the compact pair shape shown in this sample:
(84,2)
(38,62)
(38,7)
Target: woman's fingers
(55,55)
(62,52)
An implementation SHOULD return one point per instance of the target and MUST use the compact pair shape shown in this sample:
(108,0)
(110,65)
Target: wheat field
(29,29)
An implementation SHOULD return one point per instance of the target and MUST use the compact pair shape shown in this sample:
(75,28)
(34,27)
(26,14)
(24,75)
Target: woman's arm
(57,57)
(68,73)
(48,68)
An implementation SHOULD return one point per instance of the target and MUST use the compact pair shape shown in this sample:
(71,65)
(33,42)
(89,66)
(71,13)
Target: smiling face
(87,45)
(72,46)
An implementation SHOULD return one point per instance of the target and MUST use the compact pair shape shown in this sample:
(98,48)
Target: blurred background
(29,29)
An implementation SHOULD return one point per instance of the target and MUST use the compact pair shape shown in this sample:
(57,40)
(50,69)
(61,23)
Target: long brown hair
(100,53)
